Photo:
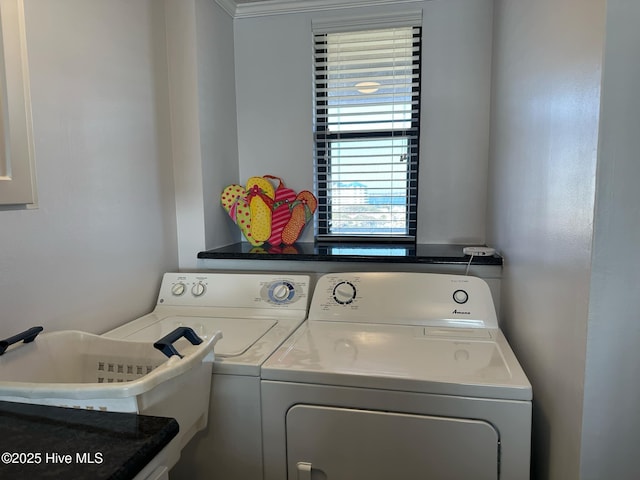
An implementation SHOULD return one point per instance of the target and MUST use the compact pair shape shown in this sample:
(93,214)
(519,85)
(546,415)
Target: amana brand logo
(461,312)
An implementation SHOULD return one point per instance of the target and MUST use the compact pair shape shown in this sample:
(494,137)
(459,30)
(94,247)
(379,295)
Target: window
(367,128)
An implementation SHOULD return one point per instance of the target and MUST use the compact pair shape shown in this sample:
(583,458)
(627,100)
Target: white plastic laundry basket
(81,370)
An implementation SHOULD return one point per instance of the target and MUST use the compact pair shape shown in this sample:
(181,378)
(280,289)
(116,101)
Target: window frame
(323,138)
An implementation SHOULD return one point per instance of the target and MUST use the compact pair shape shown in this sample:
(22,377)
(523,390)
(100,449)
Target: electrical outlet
(479,251)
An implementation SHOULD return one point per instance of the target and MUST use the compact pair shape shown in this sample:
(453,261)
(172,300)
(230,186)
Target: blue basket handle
(165,344)
(27,336)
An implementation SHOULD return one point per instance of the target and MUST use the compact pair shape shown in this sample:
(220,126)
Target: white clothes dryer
(255,313)
(396,376)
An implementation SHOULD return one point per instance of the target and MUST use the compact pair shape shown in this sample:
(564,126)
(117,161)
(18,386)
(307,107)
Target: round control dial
(198,289)
(281,292)
(344,293)
(178,289)
(460,296)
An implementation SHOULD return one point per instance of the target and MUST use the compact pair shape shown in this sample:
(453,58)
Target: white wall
(91,256)
(182,63)
(218,121)
(544,132)
(274,91)
(203,123)
(611,429)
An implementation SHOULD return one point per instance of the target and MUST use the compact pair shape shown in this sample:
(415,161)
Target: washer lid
(238,335)
(397,357)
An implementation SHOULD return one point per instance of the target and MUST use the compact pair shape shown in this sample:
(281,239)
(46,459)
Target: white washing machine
(396,376)
(256,313)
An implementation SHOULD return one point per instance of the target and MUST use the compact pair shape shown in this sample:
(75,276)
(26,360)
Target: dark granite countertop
(78,444)
(349,252)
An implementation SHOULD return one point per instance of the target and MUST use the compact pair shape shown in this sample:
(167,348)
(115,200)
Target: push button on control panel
(460,296)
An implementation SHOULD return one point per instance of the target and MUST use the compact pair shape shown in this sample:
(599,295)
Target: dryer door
(325,443)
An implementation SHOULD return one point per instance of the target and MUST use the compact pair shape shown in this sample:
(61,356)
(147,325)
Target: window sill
(365,253)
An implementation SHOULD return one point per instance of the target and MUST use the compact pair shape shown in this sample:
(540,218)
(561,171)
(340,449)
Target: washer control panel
(407,298)
(235,290)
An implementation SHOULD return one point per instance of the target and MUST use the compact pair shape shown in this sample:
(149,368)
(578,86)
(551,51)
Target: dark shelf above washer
(350,252)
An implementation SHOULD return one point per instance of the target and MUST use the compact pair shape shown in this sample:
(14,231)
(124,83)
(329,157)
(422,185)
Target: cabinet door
(17,169)
(325,443)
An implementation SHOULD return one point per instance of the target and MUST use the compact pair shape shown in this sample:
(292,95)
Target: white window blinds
(367,112)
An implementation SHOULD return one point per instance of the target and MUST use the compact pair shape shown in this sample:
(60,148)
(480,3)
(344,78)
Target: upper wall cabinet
(17,172)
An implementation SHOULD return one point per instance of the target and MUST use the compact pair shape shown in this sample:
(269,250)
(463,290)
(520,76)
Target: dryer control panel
(405,298)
